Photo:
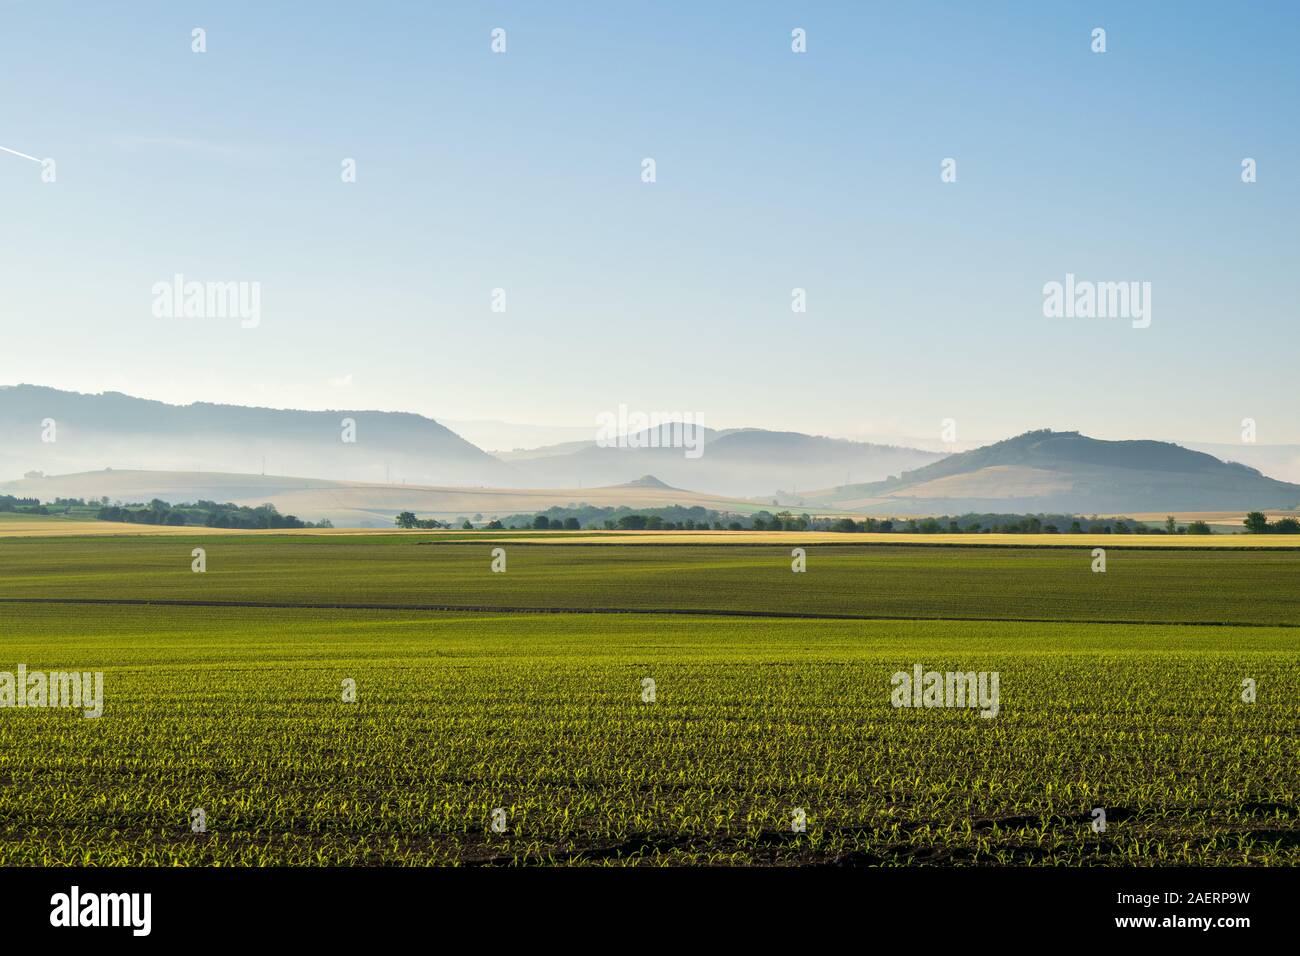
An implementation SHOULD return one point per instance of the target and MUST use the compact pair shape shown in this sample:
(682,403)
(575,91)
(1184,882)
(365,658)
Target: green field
(1251,587)
(238,710)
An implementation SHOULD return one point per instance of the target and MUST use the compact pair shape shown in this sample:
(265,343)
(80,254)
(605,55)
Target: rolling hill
(746,462)
(92,432)
(355,504)
(112,430)
(1068,472)
(1279,461)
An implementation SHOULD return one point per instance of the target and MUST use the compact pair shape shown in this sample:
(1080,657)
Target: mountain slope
(1277,461)
(1067,471)
(114,430)
(739,462)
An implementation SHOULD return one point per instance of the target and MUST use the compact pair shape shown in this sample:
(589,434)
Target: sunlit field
(504,735)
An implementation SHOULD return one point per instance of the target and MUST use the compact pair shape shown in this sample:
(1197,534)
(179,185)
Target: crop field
(1025,583)
(500,735)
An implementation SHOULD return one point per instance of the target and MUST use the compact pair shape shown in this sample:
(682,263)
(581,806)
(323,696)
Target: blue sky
(775,170)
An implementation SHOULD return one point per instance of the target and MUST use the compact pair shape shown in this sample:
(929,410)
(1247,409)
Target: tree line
(208,514)
(679,518)
(1257,523)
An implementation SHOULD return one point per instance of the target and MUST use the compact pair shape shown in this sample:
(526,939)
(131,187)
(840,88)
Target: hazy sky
(775,170)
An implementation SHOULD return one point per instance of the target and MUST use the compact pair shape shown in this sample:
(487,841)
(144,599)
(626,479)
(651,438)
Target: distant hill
(354,504)
(118,431)
(1069,472)
(646,481)
(227,451)
(113,430)
(748,462)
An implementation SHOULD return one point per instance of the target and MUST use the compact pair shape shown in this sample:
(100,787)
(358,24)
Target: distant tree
(467,526)
(1256,522)
(541,522)
(1199,527)
(494,525)
(1171,524)
(1076,528)
(405,519)
(571,524)
(1286,526)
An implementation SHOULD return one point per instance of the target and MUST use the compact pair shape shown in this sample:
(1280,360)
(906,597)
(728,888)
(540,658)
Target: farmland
(219,704)
(1020,583)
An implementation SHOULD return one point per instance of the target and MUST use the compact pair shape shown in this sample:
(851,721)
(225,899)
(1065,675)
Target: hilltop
(1067,471)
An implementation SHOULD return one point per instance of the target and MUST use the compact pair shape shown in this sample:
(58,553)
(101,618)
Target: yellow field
(794,538)
(1234,518)
(22,526)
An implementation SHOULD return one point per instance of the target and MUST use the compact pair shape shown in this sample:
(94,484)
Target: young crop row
(530,739)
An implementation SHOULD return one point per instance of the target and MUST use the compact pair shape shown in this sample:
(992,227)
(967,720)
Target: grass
(238,710)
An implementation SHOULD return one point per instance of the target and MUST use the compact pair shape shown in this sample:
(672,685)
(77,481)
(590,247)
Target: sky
(774,170)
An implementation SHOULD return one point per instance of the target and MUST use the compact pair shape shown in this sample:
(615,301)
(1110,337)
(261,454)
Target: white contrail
(4,149)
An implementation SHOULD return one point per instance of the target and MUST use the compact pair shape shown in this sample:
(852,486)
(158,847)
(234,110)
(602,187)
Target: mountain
(1069,472)
(113,430)
(744,462)
(91,432)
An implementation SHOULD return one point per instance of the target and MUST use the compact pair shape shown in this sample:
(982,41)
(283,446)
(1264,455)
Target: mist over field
(362,467)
